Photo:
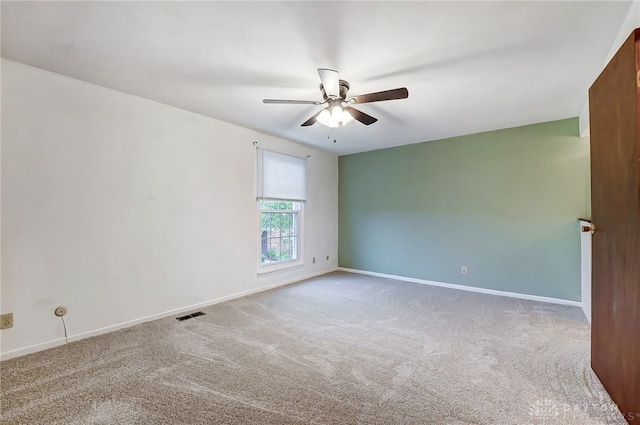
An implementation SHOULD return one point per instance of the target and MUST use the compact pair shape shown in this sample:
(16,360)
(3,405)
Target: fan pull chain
(329,136)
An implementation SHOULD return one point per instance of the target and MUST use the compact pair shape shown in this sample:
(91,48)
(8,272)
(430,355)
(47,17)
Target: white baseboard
(586,312)
(61,341)
(468,288)
(32,349)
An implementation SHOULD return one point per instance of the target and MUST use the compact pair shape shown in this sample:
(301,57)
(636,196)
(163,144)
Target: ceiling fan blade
(330,81)
(401,93)
(295,102)
(310,121)
(361,116)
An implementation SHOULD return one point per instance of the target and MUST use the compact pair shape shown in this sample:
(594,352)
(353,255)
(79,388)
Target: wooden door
(615,198)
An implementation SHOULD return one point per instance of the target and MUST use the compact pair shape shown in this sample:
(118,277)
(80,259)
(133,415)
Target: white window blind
(281,177)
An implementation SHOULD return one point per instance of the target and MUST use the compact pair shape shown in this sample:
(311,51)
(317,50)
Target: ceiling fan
(339,111)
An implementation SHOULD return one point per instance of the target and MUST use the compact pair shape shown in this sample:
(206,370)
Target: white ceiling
(469,66)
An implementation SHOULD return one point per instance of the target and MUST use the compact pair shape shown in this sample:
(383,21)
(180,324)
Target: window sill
(279,268)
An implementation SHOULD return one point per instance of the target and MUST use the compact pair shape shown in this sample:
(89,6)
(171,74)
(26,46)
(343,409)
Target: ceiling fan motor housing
(344,88)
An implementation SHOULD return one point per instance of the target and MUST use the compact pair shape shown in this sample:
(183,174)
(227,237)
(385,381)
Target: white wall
(123,209)
(585,269)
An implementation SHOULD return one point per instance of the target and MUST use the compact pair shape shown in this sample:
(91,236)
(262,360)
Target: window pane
(279,231)
(271,205)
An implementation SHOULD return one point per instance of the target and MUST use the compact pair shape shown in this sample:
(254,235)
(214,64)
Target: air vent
(189,316)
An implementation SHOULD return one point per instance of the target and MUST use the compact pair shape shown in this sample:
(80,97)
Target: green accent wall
(503,203)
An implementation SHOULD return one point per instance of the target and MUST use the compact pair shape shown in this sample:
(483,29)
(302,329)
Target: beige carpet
(338,349)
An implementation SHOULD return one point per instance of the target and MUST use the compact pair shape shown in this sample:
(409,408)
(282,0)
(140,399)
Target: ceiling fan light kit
(334,117)
(338,112)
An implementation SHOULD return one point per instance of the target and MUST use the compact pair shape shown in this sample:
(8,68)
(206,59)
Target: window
(281,192)
(280,224)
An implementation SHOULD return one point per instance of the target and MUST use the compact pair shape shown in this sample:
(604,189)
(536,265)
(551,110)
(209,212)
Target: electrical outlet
(60,311)
(314,260)
(327,258)
(6,321)
(463,270)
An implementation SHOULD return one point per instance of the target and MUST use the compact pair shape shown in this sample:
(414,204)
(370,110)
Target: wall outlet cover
(6,321)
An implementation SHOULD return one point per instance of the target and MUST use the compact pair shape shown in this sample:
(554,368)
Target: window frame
(269,268)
